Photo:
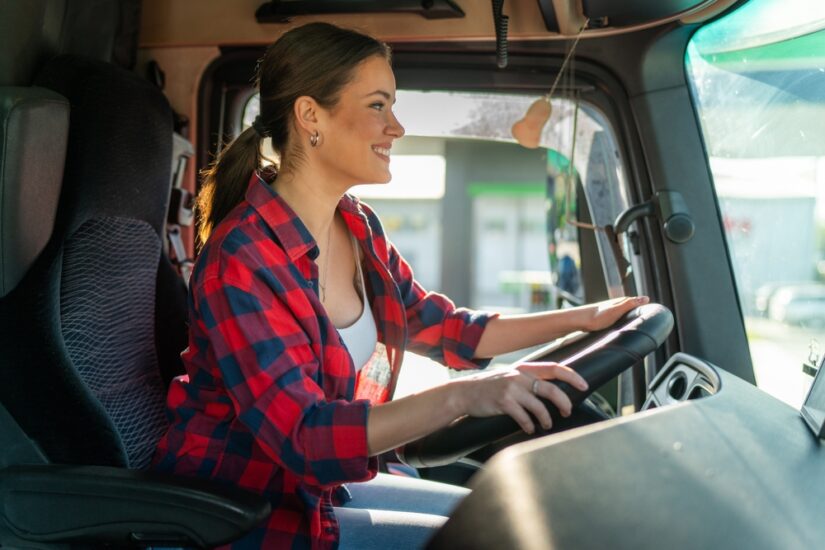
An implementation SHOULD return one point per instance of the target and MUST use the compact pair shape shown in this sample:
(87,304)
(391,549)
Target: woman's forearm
(398,422)
(514,332)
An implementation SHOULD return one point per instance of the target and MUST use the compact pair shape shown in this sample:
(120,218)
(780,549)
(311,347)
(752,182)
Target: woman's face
(358,133)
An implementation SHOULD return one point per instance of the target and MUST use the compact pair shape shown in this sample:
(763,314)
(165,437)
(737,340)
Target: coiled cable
(501,23)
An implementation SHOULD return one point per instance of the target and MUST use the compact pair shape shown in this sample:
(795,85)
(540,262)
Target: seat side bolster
(103,505)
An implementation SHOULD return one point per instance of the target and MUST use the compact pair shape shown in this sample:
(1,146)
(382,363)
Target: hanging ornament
(527,131)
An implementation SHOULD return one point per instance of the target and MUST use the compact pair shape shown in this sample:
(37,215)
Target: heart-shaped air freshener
(527,131)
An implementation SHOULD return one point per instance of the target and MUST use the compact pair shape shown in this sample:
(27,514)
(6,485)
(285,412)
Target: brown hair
(316,60)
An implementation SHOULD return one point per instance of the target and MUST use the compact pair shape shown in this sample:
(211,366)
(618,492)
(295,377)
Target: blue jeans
(395,512)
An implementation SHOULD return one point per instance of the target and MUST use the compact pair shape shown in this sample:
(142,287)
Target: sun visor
(610,16)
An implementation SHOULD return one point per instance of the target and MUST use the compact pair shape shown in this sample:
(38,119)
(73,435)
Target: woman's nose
(395,127)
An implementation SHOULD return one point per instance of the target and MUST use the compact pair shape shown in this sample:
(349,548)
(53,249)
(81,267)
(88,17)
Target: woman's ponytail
(225,181)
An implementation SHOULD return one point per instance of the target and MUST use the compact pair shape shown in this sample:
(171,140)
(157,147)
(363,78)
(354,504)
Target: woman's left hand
(603,314)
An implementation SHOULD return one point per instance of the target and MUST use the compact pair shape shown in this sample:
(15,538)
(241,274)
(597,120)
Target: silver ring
(536,386)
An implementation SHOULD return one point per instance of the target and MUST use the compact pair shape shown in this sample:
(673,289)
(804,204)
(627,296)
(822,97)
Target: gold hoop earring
(313,139)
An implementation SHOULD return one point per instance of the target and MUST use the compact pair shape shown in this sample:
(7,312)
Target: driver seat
(92,331)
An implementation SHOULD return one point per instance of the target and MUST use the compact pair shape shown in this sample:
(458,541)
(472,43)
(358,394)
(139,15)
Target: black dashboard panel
(738,469)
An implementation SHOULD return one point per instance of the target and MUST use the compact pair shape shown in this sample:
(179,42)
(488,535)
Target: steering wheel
(597,357)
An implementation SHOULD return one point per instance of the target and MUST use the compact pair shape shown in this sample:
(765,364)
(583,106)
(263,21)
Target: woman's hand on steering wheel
(516,392)
(604,314)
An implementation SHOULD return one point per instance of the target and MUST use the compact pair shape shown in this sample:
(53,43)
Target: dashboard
(711,462)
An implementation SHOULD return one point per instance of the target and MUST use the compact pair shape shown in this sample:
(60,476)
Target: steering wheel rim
(597,357)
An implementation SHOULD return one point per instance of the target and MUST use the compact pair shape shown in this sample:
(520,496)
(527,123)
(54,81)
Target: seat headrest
(119,158)
(34,125)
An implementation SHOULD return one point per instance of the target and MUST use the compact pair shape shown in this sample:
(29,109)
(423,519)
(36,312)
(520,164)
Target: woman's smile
(383,151)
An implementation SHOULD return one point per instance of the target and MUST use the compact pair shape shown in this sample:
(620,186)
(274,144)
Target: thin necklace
(323,284)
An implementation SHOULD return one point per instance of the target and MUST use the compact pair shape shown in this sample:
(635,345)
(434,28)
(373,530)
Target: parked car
(799,305)
(766,293)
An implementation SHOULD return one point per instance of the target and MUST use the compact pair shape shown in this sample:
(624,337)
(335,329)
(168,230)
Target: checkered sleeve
(266,360)
(436,327)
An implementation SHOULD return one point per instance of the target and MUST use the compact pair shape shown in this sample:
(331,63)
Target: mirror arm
(633,213)
(670,208)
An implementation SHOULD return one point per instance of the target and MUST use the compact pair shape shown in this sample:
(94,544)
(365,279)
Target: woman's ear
(306,114)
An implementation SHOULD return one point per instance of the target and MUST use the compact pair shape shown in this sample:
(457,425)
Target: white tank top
(361,336)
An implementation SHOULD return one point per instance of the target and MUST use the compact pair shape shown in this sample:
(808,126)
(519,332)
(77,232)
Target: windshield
(758,81)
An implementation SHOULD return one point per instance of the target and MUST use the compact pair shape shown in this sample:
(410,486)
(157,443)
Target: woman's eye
(378,106)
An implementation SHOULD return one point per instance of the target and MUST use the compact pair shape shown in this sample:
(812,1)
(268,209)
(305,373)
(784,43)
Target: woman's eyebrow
(386,95)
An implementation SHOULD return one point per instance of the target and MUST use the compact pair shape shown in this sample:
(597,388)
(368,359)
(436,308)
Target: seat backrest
(83,374)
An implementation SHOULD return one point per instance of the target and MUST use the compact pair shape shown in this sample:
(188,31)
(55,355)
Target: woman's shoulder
(240,245)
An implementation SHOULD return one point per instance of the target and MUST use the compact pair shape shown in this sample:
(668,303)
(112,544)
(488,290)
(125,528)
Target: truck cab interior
(684,159)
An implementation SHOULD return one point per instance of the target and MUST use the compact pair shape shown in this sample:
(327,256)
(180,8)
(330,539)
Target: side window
(484,220)
(758,81)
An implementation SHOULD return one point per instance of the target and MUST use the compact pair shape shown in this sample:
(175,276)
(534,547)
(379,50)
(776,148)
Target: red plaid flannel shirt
(271,401)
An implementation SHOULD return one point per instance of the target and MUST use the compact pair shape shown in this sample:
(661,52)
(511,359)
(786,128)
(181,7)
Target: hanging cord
(622,265)
(566,60)
(570,177)
(501,23)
